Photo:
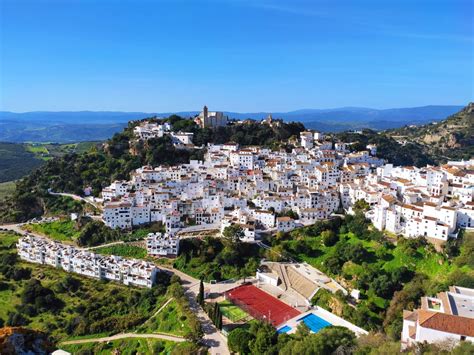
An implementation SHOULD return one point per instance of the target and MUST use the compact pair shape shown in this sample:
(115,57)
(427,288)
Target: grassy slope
(434,265)
(426,261)
(171,320)
(50,277)
(208,260)
(62,230)
(127,251)
(126,346)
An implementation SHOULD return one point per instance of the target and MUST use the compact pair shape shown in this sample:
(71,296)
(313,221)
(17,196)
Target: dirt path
(124,336)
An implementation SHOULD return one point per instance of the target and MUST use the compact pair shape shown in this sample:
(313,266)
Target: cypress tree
(200,296)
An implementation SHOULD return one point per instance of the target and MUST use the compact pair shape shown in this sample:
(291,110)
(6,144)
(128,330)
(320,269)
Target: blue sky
(236,55)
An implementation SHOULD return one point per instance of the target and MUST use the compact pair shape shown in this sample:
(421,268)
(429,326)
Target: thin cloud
(352,20)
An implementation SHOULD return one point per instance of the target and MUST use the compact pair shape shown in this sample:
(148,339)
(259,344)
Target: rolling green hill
(16,161)
(19,159)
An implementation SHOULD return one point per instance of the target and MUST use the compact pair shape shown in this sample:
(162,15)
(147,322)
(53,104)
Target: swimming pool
(285,329)
(314,322)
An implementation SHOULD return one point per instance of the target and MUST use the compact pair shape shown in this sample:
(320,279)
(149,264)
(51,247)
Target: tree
(302,331)
(16,319)
(265,338)
(326,341)
(238,341)
(360,205)
(407,298)
(233,233)
(218,318)
(383,286)
(329,238)
(41,298)
(195,333)
(354,252)
(200,296)
(334,264)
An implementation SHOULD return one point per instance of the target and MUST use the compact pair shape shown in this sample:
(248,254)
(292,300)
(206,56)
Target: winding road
(77,198)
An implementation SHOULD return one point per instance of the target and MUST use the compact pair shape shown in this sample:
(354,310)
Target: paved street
(212,336)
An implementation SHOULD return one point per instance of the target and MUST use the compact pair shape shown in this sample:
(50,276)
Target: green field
(232,312)
(48,151)
(62,230)
(127,346)
(124,250)
(39,150)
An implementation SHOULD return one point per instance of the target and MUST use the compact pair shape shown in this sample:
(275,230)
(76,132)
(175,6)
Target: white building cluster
(432,201)
(251,186)
(71,259)
(255,187)
(147,130)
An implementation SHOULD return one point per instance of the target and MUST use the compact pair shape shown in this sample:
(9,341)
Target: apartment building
(115,268)
(162,245)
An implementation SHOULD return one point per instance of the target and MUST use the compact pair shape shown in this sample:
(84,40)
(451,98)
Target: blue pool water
(285,329)
(314,322)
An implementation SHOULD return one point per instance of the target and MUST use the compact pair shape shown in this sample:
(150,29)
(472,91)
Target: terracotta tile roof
(409,315)
(446,322)
(389,198)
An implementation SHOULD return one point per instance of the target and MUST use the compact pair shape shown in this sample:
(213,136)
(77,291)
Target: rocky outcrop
(23,341)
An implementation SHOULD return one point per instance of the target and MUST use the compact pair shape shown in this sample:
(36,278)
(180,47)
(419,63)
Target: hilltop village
(267,191)
(260,194)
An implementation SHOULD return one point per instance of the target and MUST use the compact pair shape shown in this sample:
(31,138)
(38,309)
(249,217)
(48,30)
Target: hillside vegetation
(391,276)
(63,304)
(450,139)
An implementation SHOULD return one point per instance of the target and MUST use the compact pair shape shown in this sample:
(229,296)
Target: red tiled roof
(446,322)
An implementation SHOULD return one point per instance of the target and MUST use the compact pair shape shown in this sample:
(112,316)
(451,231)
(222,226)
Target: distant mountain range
(74,126)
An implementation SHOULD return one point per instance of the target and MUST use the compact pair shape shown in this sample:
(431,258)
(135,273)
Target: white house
(285,224)
(447,317)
